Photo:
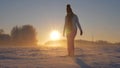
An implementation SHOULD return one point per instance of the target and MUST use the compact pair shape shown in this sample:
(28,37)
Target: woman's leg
(71,46)
(70,42)
(68,45)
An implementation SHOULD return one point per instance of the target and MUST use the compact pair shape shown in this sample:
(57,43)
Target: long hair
(69,9)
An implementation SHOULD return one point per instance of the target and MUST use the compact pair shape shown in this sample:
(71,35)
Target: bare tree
(15,33)
(29,33)
(24,35)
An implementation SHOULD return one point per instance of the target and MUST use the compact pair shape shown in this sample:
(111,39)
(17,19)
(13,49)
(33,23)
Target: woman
(70,29)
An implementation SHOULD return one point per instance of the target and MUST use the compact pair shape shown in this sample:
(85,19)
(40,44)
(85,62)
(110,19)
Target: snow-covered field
(87,56)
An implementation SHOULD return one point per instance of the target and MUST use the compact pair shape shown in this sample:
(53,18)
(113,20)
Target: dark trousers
(70,42)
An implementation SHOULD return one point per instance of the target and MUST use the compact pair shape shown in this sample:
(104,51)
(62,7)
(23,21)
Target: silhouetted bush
(1,31)
(5,39)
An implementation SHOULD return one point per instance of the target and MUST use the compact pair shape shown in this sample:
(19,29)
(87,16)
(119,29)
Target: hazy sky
(99,18)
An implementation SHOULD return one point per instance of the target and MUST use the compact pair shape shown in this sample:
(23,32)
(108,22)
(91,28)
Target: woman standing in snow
(70,29)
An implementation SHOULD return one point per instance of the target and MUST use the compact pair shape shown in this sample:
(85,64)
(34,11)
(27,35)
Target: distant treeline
(81,42)
(25,35)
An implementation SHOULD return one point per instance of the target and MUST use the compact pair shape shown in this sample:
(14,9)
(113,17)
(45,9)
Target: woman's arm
(78,24)
(64,26)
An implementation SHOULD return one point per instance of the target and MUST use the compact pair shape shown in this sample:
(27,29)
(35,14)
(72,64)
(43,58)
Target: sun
(55,35)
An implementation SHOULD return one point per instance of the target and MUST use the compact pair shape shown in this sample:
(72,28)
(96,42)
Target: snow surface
(86,56)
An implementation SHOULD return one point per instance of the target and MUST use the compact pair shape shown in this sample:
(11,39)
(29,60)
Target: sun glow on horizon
(55,35)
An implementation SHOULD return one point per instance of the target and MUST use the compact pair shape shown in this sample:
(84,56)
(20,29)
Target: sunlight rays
(55,35)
